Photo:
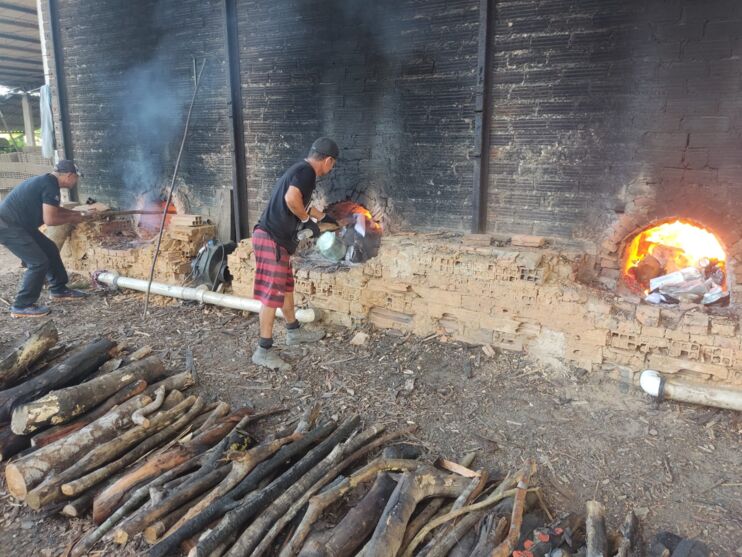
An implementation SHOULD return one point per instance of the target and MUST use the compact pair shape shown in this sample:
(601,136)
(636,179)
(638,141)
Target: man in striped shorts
(275,238)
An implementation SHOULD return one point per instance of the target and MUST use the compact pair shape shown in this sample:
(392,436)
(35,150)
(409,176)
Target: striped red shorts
(273,278)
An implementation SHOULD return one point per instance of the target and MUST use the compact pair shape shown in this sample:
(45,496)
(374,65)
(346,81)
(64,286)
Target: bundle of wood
(115,436)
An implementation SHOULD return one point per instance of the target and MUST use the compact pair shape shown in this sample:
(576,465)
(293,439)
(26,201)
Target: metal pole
(482,119)
(239,158)
(172,188)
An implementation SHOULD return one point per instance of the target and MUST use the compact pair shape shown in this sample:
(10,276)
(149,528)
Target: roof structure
(21,65)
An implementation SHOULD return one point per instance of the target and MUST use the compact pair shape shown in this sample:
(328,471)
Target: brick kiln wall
(605,114)
(392,81)
(523,299)
(98,246)
(129,74)
(615,112)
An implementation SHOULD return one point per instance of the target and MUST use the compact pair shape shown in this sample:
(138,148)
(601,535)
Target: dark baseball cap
(326,146)
(64,166)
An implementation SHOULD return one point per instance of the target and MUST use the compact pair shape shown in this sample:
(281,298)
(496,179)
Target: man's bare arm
(295,202)
(54,216)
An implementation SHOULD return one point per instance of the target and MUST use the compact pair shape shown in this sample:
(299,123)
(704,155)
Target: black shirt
(277,219)
(22,206)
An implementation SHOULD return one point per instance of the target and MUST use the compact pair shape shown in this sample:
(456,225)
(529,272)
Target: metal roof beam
(24,61)
(18,23)
(15,49)
(16,8)
(13,37)
(25,75)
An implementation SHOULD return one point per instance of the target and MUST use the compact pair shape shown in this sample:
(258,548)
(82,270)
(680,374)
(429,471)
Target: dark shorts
(273,278)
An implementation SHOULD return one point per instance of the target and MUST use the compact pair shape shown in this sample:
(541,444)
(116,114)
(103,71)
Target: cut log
(16,361)
(321,501)
(412,488)
(358,523)
(427,513)
(176,499)
(140,416)
(78,364)
(358,447)
(54,433)
(26,473)
(105,503)
(503,491)
(58,407)
(140,495)
(11,444)
(79,506)
(489,530)
(433,505)
(50,490)
(470,493)
(172,399)
(249,542)
(629,536)
(255,503)
(150,443)
(178,382)
(140,354)
(194,527)
(154,532)
(445,543)
(221,506)
(597,540)
(221,409)
(173,458)
(507,546)
(242,465)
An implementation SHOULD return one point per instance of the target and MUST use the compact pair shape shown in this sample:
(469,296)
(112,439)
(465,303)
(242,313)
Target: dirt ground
(678,466)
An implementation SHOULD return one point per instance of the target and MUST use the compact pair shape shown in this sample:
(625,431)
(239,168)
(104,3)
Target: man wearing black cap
(275,238)
(29,205)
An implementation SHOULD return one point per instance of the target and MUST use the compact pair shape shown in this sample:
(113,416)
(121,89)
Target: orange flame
(343,209)
(674,246)
(152,222)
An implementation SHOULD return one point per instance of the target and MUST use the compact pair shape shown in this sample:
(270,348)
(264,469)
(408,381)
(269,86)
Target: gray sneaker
(303,335)
(270,359)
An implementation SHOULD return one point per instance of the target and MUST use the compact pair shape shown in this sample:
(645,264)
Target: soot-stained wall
(392,81)
(600,108)
(129,71)
(604,108)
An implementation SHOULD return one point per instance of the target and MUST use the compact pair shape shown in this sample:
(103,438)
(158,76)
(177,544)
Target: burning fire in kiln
(677,261)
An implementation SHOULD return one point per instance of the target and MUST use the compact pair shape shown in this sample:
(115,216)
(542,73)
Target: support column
(482,116)
(239,157)
(28,126)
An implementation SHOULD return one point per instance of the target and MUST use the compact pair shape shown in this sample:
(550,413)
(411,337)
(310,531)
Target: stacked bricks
(90,248)
(514,298)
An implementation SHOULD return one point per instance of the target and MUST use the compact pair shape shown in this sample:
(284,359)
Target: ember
(677,261)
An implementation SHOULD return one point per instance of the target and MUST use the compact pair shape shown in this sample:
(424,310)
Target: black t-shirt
(277,219)
(22,206)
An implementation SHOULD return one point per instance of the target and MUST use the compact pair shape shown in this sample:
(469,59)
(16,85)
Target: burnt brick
(663,140)
(696,158)
(679,32)
(707,50)
(706,123)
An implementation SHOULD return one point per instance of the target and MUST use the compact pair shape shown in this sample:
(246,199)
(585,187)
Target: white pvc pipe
(201,294)
(656,385)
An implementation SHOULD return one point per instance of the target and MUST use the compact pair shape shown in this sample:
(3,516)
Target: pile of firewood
(101,432)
